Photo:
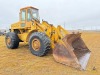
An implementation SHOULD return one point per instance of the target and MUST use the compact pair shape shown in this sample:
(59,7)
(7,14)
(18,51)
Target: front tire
(39,44)
(12,40)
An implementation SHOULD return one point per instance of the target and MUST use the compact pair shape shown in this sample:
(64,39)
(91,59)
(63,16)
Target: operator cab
(27,16)
(29,13)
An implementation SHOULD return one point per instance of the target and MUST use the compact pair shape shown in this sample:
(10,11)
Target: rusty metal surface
(72,51)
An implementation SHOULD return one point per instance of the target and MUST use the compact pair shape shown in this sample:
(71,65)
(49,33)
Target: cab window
(23,15)
(29,15)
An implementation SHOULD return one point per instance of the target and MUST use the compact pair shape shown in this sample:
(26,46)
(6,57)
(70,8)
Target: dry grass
(21,62)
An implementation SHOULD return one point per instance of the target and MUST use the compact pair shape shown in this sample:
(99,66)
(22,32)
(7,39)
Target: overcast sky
(74,14)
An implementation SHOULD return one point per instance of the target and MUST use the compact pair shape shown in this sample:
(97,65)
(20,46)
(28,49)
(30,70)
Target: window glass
(29,15)
(23,15)
(35,14)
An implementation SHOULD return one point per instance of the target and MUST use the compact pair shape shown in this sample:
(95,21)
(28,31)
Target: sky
(70,14)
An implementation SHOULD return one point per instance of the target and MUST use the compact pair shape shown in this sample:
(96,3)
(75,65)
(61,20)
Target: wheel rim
(36,44)
(8,41)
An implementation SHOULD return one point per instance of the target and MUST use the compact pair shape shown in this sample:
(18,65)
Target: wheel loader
(67,48)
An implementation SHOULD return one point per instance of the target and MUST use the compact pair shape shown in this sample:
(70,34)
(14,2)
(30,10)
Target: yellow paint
(26,28)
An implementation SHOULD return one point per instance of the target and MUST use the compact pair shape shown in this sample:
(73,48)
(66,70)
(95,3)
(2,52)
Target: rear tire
(43,44)
(12,40)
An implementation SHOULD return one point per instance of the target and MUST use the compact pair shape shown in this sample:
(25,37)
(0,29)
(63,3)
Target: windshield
(35,14)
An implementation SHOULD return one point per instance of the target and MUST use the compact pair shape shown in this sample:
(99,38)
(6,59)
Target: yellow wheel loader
(68,49)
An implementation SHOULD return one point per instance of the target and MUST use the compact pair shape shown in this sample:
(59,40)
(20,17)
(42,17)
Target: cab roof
(28,7)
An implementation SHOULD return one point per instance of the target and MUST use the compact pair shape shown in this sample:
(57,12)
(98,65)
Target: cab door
(23,18)
(29,18)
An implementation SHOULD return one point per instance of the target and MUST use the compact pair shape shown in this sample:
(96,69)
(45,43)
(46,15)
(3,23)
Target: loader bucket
(72,51)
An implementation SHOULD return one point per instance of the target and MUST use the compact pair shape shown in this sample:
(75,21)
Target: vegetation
(21,62)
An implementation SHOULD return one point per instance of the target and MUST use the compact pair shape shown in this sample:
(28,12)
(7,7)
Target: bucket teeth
(72,51)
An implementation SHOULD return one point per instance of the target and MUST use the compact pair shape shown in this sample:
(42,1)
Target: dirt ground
(21,62)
